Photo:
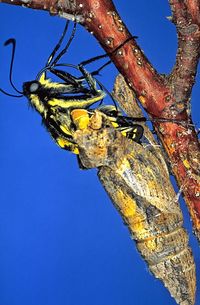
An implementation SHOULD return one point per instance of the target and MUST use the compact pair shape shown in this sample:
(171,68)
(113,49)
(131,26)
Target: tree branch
(186,17)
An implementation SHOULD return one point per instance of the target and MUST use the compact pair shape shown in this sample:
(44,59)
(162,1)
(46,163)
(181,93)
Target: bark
(165,98)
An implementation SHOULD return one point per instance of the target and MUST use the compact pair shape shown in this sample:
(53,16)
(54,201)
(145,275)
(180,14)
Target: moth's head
(32,90)
(32,87)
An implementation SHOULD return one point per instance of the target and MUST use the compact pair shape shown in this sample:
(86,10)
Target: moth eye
(34,87)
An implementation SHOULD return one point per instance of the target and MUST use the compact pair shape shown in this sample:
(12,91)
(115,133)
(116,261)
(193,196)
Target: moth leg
(90,80)
(51,56)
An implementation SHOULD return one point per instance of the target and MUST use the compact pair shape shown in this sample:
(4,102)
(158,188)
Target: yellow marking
(142,99)
(186,163)
(82,122)
(65,130)
(48,84)
(115,125)
(63,143)
(80,118)
(43,79)
(152,185)
(127,205)
(124,167)
(37,103)
(75,151)
(128,209)
(123,133)
(138,227)
(74,103)
(151,244)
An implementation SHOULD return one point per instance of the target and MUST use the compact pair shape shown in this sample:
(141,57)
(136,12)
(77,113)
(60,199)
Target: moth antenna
(13,95)
(12,41)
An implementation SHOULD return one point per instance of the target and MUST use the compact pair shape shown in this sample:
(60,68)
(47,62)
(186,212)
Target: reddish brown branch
(161,97)
(186,17)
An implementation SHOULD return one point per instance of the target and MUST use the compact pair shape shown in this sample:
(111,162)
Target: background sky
(61,240)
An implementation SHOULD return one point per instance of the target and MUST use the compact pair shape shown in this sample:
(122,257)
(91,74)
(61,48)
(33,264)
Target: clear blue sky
(61,240)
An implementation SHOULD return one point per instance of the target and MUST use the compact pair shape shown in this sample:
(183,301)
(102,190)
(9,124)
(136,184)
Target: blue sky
(61,240)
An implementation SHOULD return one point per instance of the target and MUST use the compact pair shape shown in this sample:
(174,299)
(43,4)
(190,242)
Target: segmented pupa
(138,184)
